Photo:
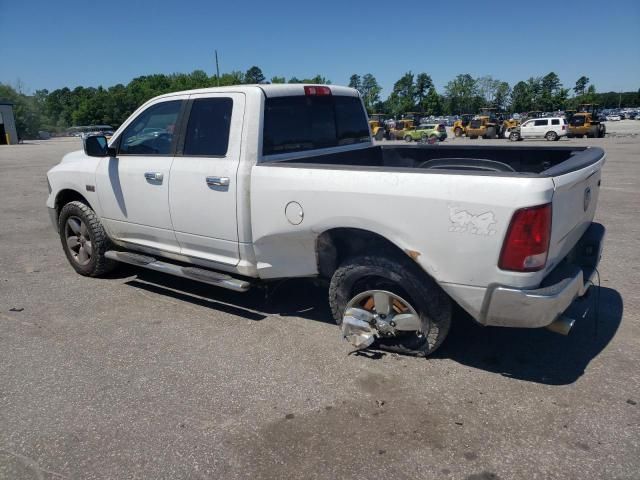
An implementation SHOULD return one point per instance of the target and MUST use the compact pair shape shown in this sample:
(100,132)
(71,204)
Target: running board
(192,273)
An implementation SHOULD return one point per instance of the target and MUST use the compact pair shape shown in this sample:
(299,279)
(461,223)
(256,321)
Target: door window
(152,132)
(555,121)
(208,128)
(542,123)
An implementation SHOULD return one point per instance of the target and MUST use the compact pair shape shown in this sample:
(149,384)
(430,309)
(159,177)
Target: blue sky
(48,44)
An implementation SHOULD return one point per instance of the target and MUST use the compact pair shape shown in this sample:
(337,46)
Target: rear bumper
(533,308)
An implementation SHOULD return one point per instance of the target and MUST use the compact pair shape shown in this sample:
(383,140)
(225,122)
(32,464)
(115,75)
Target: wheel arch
(335,245)
(68,195)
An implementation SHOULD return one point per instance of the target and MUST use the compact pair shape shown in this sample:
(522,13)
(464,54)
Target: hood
(76,156)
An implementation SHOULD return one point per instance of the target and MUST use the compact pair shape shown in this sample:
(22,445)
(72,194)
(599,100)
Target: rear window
(299,123)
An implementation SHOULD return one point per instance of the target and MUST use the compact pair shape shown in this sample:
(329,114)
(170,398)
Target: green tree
(550,94)
(277,79)
(355,82)
(254,75)
(370,91)
(433,104)
(581,85)
(462,94)
(521,100)
(402,98)
(423,85)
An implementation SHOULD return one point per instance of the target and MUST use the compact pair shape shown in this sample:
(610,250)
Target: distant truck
(238,186)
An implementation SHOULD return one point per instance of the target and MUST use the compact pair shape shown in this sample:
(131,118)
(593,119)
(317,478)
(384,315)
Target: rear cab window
(207,131)
(302,123)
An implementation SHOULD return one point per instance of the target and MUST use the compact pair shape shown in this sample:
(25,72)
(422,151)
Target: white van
(551,128)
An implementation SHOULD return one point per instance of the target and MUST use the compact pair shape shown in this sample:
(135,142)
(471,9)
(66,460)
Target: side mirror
(96,146)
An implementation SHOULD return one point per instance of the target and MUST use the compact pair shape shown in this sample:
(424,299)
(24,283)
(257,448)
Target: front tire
(84,240)
(514,136)
(402,277)
(457,132)
(408,139)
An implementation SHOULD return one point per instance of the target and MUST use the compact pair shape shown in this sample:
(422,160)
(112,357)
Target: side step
(192,273)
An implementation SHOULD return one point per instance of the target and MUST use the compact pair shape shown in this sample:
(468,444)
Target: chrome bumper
(53,216)
(533,308)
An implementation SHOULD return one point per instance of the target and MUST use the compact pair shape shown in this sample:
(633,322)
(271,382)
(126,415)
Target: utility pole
(217,69)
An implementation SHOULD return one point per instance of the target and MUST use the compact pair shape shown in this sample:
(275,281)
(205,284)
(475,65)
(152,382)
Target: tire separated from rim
(405,279)
(84,240)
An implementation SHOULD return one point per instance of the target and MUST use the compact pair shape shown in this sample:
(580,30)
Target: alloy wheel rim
(78,240)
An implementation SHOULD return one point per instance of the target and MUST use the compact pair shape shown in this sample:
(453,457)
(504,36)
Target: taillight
(564,127)
(319,91)
(526,245)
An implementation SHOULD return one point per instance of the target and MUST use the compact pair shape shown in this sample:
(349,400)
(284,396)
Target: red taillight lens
(319,91)
(526,245)
(564,127)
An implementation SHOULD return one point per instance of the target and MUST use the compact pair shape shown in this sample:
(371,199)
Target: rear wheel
(84,240)
(551,136)
(408,138)
(391,301)
(457,132)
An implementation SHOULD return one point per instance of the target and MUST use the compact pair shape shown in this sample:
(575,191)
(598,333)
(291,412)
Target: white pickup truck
(236,186)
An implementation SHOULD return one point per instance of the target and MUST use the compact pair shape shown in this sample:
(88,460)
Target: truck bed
(490,160)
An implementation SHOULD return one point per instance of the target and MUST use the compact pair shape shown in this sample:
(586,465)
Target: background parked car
(614,117)
(426,131)
(551,128)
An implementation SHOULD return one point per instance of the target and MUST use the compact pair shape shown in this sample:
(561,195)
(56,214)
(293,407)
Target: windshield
(577,120)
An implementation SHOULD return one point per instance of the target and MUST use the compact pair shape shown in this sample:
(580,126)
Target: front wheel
(457,132)
(84,240)
(514,136)
(390,301)
(408,138)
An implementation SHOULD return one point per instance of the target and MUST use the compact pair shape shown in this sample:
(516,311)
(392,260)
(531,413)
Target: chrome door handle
(154,176)
(218,181)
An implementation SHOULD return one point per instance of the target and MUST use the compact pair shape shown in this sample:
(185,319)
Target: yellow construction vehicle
(377,126)
(585,122)
(485,125)
(460,126)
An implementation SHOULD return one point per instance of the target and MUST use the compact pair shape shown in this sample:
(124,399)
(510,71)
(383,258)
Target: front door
(203,186)
(133,186)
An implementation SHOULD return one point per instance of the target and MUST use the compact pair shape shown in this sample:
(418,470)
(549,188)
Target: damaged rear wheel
(390,302)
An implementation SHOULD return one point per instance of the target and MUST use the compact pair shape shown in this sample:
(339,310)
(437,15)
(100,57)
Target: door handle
(218,181)
(154,176)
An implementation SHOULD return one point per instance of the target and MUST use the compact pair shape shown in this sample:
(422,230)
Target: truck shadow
(534,355)
(538,355)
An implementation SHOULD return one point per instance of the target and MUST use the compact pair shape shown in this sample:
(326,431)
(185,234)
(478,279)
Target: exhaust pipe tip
(561,325)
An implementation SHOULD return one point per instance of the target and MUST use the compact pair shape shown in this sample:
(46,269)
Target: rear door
(202,191)
(540,127)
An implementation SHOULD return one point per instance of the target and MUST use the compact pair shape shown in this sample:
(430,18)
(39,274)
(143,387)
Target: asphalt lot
(146,376)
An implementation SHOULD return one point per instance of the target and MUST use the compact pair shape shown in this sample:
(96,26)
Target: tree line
(62,108)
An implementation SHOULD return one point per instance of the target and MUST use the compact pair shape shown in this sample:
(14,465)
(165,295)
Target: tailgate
(574,206)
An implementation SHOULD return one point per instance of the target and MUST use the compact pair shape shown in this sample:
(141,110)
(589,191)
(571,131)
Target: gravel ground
(145,376)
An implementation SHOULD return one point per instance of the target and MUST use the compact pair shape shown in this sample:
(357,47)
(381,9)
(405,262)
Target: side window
(542,123)
(564,120)
(151,133)
(208,127)
(555,121)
